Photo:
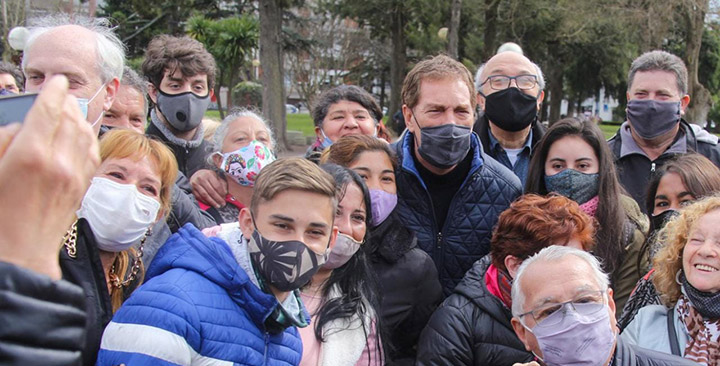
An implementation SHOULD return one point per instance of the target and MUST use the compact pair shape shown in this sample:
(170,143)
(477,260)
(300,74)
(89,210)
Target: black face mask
(658,221)
(511,109)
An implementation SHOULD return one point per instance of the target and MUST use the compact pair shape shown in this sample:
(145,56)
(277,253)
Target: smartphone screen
(13,108)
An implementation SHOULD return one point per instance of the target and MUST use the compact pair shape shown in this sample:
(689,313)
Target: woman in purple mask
(409,286)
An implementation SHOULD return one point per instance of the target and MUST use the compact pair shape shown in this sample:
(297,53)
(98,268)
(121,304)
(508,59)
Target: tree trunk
(271,59)
(700,103)
(382,90)
(398,59)
(453,38)
(571,107)
(555,82)
(489,35)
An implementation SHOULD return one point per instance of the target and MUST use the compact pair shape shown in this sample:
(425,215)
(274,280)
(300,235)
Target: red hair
(534,222)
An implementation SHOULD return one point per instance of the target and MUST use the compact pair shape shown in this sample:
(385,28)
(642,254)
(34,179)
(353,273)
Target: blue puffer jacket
(486,192)
(198,307)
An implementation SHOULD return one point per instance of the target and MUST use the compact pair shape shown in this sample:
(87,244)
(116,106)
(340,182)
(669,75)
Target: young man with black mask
(452,192)
(510,93)
(181,73)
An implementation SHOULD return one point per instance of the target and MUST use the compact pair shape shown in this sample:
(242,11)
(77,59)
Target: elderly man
(563,311)
(654,130)
(510,92)
(87,52)
(452,192)
(130,107)
(11,79)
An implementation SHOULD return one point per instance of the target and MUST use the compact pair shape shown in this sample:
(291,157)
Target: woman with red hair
(472,326)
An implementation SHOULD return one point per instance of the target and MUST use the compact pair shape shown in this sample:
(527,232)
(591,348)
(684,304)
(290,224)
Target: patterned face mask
(286,265)
(244,164)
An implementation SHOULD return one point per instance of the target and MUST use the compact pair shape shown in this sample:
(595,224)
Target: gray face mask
(577,186)
(650,118)
(444,146)
(183,111)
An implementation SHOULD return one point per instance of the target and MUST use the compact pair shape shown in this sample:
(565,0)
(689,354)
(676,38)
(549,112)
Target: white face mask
(118,214)
(83,104)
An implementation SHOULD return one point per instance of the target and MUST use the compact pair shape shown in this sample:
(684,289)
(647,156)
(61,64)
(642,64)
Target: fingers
(209,188)
(44,116)
(7,133)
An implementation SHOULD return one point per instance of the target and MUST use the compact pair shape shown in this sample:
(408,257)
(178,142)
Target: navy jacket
(487,191)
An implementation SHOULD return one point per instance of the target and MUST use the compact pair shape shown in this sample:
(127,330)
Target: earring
(677,277)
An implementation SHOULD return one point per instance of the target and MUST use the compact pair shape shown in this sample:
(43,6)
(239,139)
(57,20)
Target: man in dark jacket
(509,95)
(563,312)
(654,130)
(182,75)
(472,327)
(450,193)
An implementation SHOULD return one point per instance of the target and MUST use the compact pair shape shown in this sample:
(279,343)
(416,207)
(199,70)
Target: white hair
(549,254)
(110,49)
(233,117)
(538,73)
(510,47)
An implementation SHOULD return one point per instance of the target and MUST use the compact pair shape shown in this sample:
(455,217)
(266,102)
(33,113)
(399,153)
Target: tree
(271,61)
(453,38)
(230,41)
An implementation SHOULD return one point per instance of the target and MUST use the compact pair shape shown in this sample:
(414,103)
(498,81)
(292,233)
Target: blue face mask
(83,104)
(326,142)
(577,186)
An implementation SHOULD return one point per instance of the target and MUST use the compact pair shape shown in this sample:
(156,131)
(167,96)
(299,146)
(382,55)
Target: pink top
(312,348)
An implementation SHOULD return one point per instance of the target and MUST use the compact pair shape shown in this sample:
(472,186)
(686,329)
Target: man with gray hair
(564,313)
(11,79)
(85,50)
(130,108)
(655,131)
(509,94)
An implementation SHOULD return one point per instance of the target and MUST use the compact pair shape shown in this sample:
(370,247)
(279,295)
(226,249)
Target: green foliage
(247,94)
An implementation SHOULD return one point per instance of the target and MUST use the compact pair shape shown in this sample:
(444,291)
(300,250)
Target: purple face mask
(650,118)
(577,339)
(383,204)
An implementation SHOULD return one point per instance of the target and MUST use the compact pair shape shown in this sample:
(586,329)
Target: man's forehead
(453,87)
(177,75)
(509,63)
(557,280)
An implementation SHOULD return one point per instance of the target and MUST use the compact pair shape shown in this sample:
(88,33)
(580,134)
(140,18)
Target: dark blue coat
(487,191)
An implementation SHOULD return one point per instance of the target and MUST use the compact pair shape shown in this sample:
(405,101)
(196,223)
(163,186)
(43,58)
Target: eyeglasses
(502,82)
(586,303)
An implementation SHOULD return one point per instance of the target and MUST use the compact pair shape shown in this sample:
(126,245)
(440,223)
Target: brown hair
(674,235)
(292,173)
(346,150)
(534,222)
(169,53)
(436,68)
(699,175)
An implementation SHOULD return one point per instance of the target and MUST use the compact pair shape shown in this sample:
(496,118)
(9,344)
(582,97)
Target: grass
(295,122)
(302,122)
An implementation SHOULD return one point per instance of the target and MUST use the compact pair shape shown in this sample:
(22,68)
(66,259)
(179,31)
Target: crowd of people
(130,235)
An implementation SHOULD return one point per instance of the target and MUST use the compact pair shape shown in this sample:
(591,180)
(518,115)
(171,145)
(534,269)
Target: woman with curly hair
(687,276)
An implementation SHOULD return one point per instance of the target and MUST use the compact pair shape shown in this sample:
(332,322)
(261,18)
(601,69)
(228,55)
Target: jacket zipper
(652,168)
(267,340)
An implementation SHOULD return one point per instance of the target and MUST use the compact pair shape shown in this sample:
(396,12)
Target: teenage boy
(182,75)
(209,301)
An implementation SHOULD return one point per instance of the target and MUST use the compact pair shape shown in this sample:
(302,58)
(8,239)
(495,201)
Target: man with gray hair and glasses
(655,131)
(564,313)
(509,95)
(85,50)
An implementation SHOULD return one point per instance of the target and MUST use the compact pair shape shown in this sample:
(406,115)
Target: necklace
(137,264)
(70,239)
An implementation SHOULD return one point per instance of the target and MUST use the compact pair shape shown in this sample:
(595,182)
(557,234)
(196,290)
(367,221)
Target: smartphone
(13,108)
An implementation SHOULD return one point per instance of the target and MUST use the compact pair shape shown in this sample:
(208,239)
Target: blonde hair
(674,236)
(120,144)
(439,67)
(292,173)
